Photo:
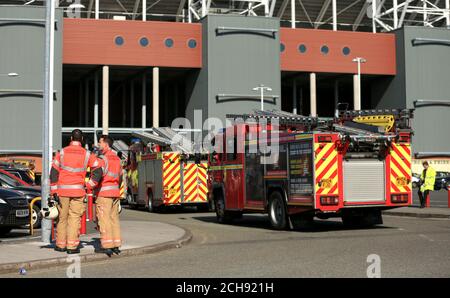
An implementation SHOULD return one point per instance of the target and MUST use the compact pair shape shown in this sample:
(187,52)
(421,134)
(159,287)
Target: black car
(14,210)
(29,192)
(442,181)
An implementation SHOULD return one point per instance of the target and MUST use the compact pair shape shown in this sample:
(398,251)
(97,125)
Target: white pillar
(132,103)
(334,15)
(336,94)
(395,7)
(294,97)
(97,8)
(144,100)
(447,8)
(86,103)
(425,13)
(312,94)
(155,97)
(95,107)
(203,8)
(189,11)
(105,100)
(144,10)
(374,11)
(124,105)
(266,8)
(293,13)
(356,92)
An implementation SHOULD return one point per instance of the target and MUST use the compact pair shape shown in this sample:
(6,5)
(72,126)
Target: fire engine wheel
(277,211)
(150,206)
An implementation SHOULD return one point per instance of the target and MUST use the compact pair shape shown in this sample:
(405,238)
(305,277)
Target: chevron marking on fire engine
(172,177)
(195,183)
(326,164)
(400,168)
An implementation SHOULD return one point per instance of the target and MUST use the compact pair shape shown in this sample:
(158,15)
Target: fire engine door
(233,176)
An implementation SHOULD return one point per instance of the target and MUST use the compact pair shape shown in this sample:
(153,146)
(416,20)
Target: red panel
(89,41)
(378,49)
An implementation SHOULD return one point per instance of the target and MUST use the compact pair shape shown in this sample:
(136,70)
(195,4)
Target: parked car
(22,174)
(442,181)
(9,181)
(14,210)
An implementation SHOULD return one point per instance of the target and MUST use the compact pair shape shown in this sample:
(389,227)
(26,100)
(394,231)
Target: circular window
(144,41)
(119,40)
(346,51)
(282,47)
(302,48)
(169,42)
(324,50)
(192,43)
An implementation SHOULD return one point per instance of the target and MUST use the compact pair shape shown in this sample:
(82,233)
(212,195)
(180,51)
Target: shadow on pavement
(262,222)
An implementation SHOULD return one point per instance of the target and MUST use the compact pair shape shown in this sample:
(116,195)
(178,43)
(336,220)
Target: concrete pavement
(138,237)
(415,211)
(407,247)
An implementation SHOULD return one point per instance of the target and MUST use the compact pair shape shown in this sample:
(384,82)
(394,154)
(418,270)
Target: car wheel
(277,211)
(5,230)
(35,219)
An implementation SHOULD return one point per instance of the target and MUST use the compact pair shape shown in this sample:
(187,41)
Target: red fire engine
(352,166)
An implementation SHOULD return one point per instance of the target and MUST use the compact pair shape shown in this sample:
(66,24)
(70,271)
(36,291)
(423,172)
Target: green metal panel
(236,60)
(22,35)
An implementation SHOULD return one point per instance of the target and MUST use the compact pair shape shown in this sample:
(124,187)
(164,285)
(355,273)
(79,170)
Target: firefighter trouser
(69,221)
(423,197)
(108,221)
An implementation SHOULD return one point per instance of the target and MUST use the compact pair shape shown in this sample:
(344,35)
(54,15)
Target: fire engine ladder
(181,142)
(387,118)
(283,118)
(152,138)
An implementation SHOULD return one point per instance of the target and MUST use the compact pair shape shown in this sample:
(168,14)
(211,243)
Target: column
(131,103)
(312,94)
(155,97)
(356,93)
(144,102)
(86,103)
(105,100)
(293,13)
(95,107)
(294,96)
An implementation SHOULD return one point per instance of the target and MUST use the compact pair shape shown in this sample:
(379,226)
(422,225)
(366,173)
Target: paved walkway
(138,237)
(421,213)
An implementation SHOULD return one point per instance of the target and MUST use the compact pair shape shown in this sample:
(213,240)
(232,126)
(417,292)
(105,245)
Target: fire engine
(167,177)
(351,166)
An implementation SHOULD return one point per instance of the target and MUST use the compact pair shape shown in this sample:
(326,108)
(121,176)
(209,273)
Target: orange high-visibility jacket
(112,175)
(67,176)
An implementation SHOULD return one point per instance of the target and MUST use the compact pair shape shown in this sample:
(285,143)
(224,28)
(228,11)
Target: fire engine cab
(351,166)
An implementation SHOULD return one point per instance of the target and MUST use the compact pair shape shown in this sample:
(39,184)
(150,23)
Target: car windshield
(5,179)
(24,176)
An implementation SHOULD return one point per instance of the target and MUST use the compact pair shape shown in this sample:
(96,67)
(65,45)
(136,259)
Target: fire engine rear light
(324,139)
(329,200)
(399,199)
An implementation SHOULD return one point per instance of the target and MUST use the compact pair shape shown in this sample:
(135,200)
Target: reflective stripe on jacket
(112,175)
(71,164)
(429,180)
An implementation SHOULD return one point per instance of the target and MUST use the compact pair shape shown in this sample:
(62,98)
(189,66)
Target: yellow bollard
(31,212)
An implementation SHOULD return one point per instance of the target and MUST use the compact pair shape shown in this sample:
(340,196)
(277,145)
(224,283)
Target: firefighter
(67,181)
(108,198)
(427,180)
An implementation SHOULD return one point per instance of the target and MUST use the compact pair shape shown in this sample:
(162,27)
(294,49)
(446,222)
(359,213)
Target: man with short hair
(67,179)
(108,198)
(427,180)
